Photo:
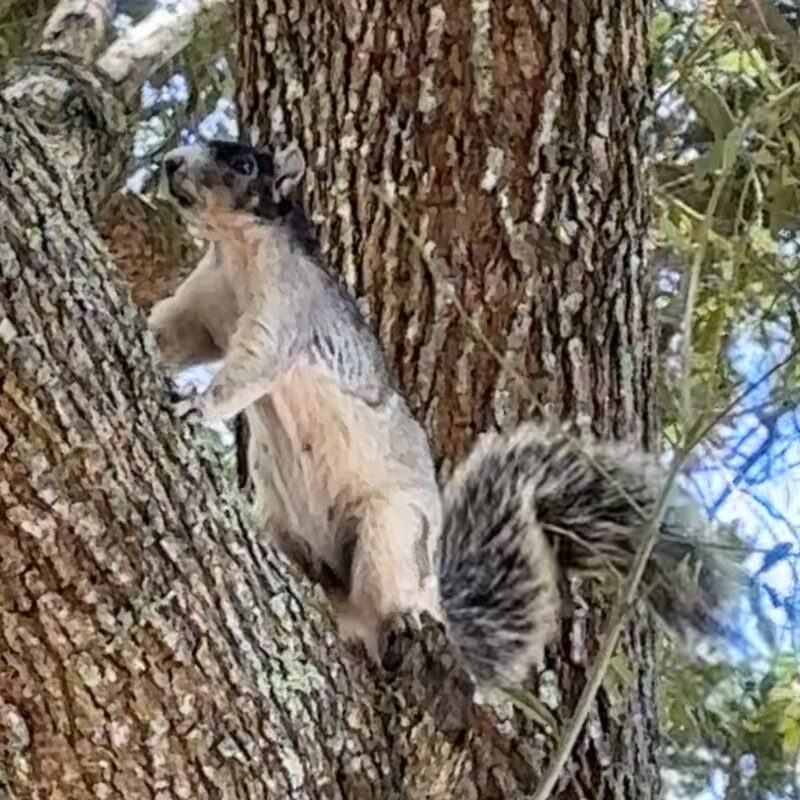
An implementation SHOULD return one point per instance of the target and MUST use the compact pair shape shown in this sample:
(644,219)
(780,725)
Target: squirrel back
(525,507)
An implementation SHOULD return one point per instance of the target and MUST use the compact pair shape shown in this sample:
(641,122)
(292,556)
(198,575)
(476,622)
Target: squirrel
(343,476)
(529,506)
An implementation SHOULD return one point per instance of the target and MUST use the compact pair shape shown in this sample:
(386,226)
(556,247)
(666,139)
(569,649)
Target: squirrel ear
(289,168)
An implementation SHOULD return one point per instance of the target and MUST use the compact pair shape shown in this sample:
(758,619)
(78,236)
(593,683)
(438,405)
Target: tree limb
(160,36)
(77,27)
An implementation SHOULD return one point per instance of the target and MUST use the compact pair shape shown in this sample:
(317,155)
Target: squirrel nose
(172,164)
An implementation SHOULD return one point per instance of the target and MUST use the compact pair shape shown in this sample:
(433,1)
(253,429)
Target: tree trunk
(476,173)
(150,247)
(509,136)
(150,645)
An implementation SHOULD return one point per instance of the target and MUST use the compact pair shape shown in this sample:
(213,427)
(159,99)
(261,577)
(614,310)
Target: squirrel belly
(354,484)
(527,505)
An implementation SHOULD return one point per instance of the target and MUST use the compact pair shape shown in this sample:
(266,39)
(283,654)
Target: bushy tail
(526,505)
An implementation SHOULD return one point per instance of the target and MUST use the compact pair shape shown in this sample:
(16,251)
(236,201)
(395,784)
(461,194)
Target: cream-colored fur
(315,449)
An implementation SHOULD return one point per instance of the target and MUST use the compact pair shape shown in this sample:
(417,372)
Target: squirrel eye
(244,165)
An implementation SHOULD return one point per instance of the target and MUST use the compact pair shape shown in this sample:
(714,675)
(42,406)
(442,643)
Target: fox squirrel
(342,473)
(343,476)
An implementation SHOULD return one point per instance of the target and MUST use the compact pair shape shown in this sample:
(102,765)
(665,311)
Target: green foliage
(738,718)
(726,226)
(726,200)
(16,25)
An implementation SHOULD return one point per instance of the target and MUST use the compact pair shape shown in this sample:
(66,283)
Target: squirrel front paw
(201,407)
(189,410)
(190,407)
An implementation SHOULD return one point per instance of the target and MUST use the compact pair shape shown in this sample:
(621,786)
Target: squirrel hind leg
(388,571)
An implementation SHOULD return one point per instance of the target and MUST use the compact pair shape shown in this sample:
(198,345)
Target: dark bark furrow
(418,83)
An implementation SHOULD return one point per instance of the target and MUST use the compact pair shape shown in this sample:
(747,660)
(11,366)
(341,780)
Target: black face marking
(249,175)
(234,156)
(244,164)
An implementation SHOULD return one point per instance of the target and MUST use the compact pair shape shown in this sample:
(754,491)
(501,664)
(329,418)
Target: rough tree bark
(505,141)
(150,247)
(150,646)
(509,135)
(77,27)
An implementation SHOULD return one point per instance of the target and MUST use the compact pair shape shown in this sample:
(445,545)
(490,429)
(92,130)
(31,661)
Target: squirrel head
(213,182)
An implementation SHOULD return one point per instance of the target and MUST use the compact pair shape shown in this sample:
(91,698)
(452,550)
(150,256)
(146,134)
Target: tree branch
(77,27)
(160,36)
(84,127)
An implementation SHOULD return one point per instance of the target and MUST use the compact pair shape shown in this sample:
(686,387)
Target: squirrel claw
(189,410)
(177,393)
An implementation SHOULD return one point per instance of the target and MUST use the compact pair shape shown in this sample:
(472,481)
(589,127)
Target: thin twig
(701,431)
(531,706)
(694,286)
(691,59)
(608,645)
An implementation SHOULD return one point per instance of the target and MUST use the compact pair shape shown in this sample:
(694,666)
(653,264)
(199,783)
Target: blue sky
(765,503)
